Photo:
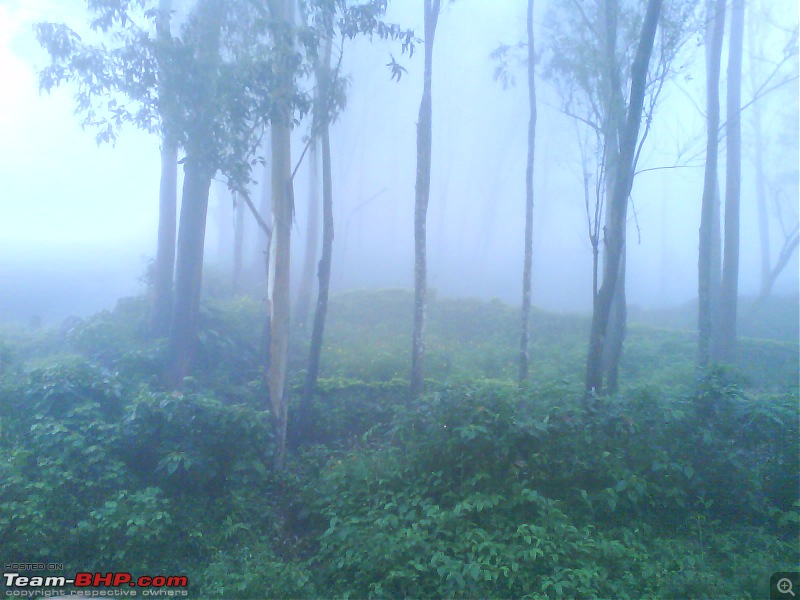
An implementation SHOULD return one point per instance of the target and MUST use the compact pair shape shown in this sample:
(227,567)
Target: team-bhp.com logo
(95,584)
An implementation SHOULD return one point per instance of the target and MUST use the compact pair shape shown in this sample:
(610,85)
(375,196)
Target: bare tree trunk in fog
(312,238)
(324,268)
(265,251)
(282,207)
(188,269)
(238,242)
(524,359)
(730,265)
(279,325)
(758,160)
(613,131)
(164,268)
(617,327)
(198,173)
(707,267)
(618,202)
(422,195)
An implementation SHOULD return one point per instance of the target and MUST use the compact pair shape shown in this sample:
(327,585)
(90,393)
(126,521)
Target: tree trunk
(618,203)
(758,159)
(198,172)
(279,331)
(422,195)
(238,242)
(528,262)
(617,326)
(165,255)
(312,238)
(614,124)
(283,210)
(264,257)
(730,265)
(325,261)
(707,267)
(164,268)
(188,270)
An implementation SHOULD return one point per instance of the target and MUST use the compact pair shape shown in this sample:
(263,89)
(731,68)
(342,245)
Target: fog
(78,220)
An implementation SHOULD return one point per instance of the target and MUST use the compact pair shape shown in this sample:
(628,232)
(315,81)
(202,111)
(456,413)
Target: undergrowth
(679,486)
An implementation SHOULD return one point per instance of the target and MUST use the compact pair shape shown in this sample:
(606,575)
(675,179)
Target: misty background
(79,220)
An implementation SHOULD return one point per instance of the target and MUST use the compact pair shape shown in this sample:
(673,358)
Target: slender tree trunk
(614,240)
(283,209)
(617,326)
(312,238)
(325,261)
(238,242)
(422,195)
(188,270)
(198,172)
(264,257)
(758,159)
(279,331)
(707,267)
(528,263)
(164,268)
(730,265)
(614,124)
(165,254)
(761,200)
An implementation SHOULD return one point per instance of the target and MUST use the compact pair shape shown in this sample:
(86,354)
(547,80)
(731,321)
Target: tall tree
(422,195)
(330,100)
(238,242)
(282,210)
(594,46)
(164,267)
(613,125)
(706,268)
(618,202)
(325,112)
(220,95)
(304,290)
(729,293)
(528,262)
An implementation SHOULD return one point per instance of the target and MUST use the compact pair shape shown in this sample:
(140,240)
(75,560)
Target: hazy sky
(61,193)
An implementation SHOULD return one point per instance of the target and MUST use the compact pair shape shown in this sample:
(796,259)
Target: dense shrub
(487,491)
(677,487)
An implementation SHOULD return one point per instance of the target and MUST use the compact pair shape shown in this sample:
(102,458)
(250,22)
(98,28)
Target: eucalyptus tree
(501,54)
(594,46)
(164,267)
(284,73)
(304,50)
(729,291)
(421,198)
(707,268)
(341,22)
(325,111)
(305,288)
(528,262)
(618,202)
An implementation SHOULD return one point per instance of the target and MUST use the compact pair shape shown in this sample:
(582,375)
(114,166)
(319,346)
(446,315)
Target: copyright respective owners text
(784,584)
(52,580)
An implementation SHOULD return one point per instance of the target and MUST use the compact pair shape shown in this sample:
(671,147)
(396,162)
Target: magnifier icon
(784,586)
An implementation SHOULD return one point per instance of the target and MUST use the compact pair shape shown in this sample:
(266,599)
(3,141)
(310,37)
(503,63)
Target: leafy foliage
(677,487)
